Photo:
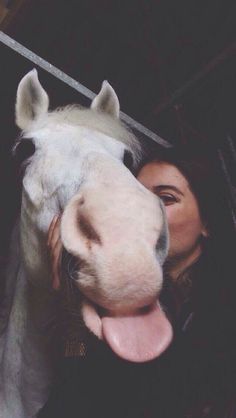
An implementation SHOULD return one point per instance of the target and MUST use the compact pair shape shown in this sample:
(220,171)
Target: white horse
(110,223)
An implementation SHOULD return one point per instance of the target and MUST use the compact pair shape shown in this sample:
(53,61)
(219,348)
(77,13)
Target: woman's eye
(168,199)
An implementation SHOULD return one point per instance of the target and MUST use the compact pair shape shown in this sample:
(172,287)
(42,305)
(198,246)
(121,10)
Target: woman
(200,273)
(189,379)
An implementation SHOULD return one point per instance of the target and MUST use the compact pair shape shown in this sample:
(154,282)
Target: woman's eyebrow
(167,186)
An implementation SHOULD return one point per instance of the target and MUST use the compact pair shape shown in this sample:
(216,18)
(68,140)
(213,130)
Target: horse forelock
(98,121)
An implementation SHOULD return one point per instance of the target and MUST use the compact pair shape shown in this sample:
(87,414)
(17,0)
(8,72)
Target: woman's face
(185,225)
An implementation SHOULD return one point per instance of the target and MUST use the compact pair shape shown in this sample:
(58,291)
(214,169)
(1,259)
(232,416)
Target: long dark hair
(204,359)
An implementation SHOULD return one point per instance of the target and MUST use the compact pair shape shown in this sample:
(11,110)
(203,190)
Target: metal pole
(230,186)
(209,67)
(45,65)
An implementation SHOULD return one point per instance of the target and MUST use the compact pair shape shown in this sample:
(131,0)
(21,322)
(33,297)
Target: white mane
(98,121)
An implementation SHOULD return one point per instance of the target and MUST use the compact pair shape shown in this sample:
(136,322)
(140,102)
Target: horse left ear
(31,100)
(107,101)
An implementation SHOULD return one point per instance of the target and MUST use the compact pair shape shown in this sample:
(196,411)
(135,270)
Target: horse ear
(31,100)
(107,101)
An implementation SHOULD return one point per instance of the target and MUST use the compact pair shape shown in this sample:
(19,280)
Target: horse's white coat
(77,157)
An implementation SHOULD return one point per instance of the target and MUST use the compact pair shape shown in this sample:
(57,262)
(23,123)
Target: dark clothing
(194,378)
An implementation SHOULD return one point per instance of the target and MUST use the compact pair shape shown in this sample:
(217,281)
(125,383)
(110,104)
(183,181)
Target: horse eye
(24,150)
(128,160)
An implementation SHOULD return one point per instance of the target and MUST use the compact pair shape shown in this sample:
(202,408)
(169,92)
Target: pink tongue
(138,338)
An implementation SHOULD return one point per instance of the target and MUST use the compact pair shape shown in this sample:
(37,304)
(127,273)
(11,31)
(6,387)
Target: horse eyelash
(128,159)
(23,158)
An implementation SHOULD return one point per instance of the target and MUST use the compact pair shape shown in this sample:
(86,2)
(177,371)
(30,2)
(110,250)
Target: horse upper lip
(109,313)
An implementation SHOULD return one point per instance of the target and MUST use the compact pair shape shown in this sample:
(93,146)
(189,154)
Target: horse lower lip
(91,318)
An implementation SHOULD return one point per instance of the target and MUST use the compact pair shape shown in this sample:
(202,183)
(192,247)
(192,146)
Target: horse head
(75,164)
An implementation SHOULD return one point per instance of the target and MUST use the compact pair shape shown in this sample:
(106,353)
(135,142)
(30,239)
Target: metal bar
(45,65)
(231,188)
(210,66)
(231,148)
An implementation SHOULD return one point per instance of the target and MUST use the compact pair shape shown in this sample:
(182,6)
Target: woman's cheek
(177,226)
(173,215)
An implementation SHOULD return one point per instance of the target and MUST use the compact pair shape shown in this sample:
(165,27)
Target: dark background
(147,49)
(172,64)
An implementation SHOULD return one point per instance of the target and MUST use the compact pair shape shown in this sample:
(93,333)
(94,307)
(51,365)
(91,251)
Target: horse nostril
(81,201)
(88,230)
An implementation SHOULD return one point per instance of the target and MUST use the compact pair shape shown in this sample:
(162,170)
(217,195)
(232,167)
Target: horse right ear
(107,101)
(31,100)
